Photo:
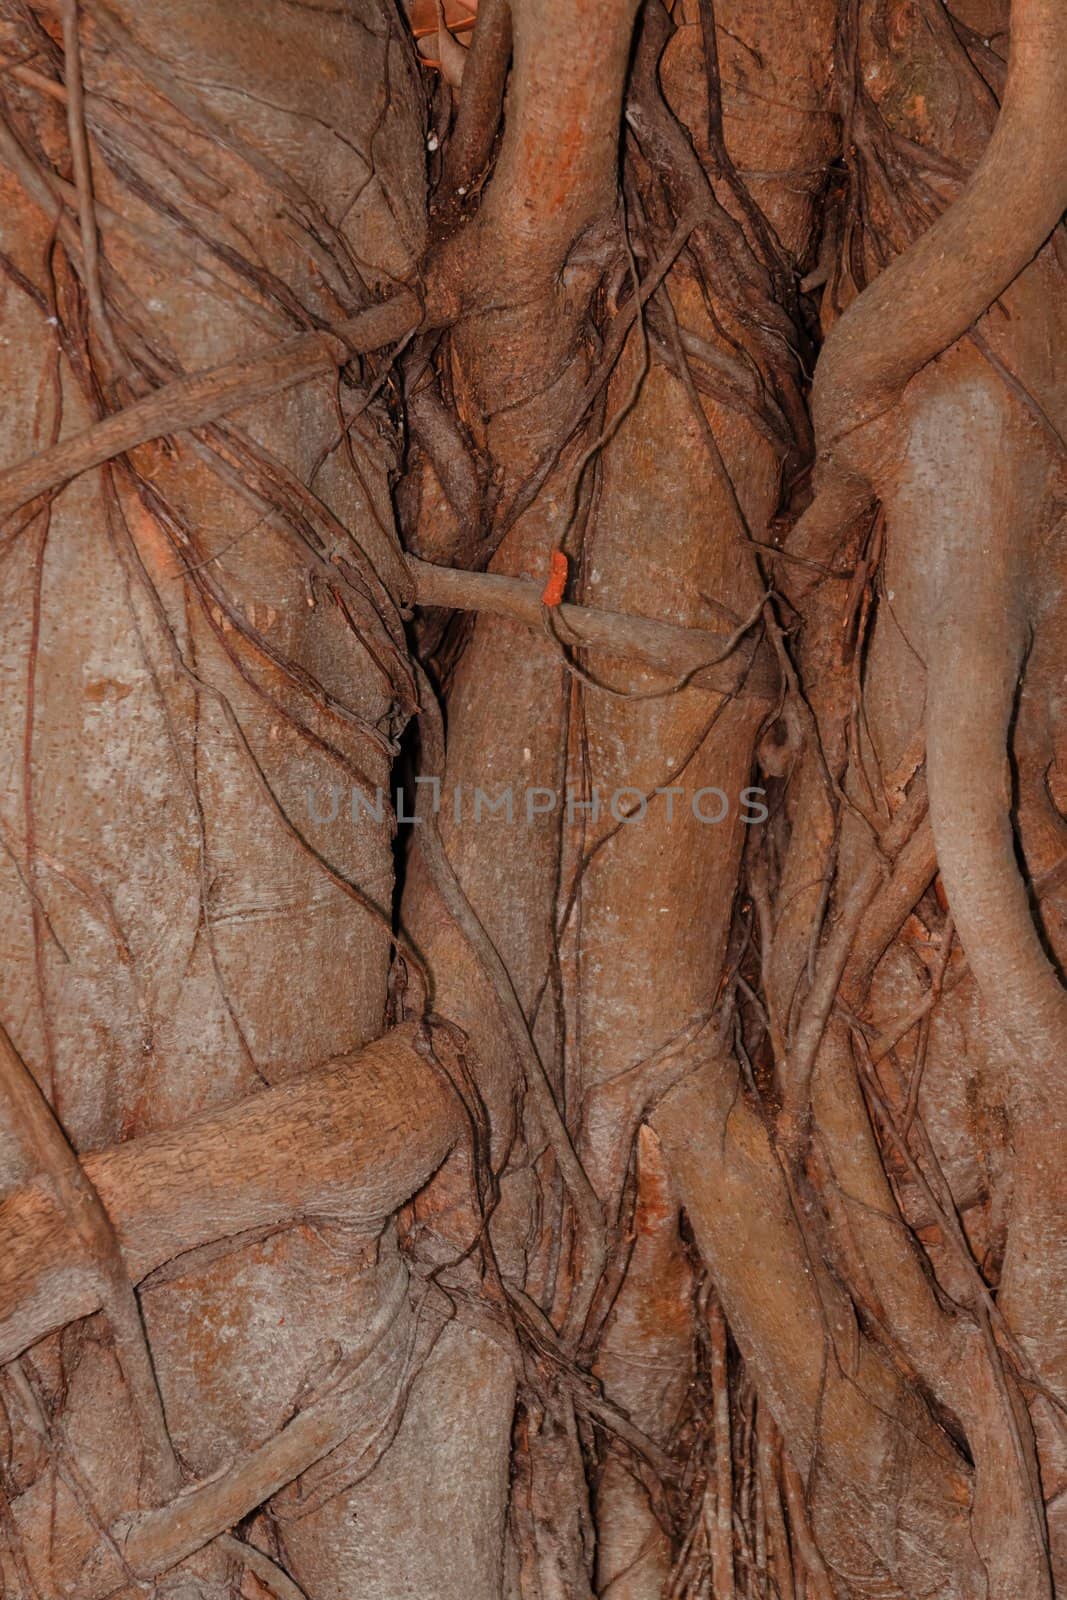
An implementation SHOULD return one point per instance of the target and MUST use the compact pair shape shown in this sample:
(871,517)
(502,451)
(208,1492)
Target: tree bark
(532,803)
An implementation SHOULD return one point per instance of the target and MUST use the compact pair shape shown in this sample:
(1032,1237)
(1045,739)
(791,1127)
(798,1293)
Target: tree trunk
(531,827)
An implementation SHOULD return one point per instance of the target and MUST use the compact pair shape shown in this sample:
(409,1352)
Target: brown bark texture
(532,839)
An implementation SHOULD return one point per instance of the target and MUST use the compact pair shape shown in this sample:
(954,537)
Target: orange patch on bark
(153,545)
(557,579)
(106,689)
(459,16)
(655,1202)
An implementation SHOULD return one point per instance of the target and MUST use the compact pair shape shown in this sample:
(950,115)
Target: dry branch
(203,397)
(484,77)
(692,653)
(353,1140)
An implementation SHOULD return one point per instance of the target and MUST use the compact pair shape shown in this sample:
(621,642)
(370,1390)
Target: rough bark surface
(531,823)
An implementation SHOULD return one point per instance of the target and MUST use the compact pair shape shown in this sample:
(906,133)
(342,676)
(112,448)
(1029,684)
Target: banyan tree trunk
(531,821)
